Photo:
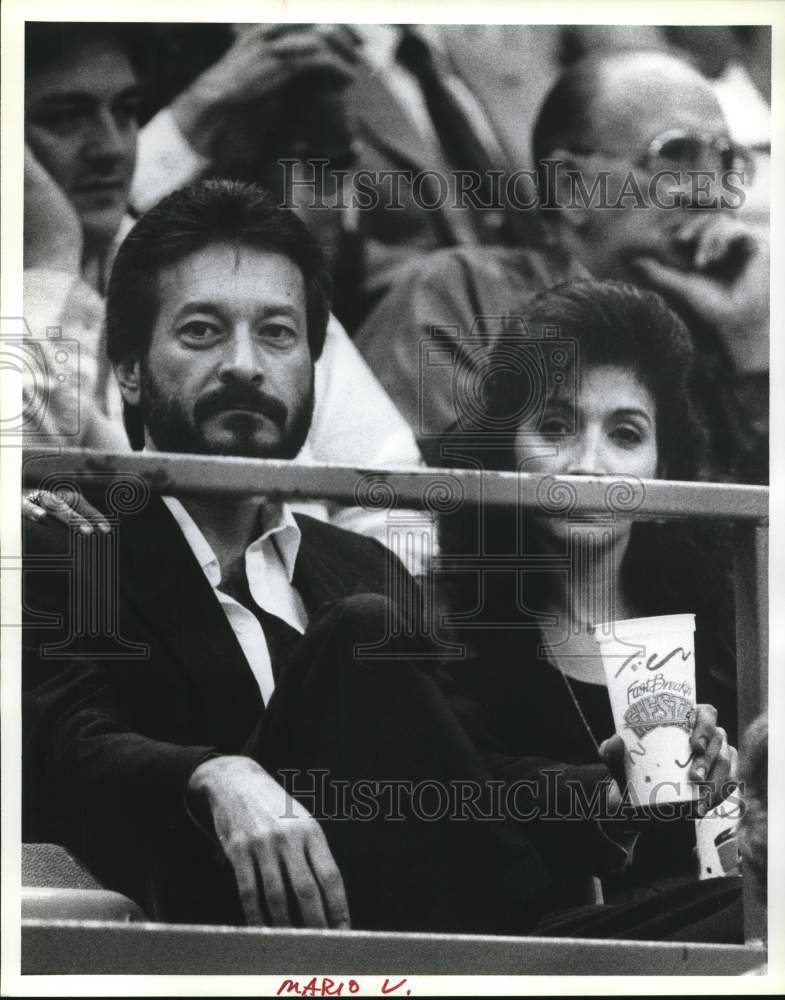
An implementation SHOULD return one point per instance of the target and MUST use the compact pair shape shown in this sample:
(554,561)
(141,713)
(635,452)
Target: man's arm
(181,142)
(52,231)
(118,786)
(65,317)
(115,768)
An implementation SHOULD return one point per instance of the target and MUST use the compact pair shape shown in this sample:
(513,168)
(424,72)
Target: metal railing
(747,507)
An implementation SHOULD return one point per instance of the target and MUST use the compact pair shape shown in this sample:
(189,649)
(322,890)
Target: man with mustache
(158,752)
(83,86)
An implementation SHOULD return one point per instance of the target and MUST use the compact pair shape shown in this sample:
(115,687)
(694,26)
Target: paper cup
(716,839)
(650,669)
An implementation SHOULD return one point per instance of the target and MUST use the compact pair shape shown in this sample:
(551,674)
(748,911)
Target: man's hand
(734,300)
(52,230)
(713,765)
(284,869)
(64,507)
(260,63)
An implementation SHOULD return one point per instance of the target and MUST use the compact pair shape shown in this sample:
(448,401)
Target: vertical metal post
(751,564)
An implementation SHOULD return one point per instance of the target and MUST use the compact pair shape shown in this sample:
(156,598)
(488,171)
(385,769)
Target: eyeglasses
(679,151)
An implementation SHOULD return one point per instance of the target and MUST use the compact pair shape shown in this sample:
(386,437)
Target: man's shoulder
(42,538)
(138,524)
(342,562)
(341,543)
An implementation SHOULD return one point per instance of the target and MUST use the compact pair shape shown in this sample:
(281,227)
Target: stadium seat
(55,886)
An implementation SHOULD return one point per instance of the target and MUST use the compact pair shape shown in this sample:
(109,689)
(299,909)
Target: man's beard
(172,429)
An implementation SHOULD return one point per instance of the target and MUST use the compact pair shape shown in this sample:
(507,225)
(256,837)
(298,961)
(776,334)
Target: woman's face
(609,430)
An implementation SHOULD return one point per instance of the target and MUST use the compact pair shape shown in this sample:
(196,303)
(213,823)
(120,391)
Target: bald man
(639,181)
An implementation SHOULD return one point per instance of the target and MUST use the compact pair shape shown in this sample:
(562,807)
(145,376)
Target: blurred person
(81,101)
(82,98)
(615,124)
(385,103)
(533,683)
(753,825)
(735,58)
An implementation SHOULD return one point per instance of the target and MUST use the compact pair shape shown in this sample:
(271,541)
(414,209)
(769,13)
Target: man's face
(638,100)
(81,124)
(229,369)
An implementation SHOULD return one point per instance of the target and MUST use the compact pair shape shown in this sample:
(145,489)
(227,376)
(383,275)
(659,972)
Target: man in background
(645,125)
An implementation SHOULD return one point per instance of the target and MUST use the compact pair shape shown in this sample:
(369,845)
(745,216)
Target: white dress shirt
(269,567)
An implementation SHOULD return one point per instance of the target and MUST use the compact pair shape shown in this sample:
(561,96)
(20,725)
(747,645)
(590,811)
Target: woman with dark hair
(617,402)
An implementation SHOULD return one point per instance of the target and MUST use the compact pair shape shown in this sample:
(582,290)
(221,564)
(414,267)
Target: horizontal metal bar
(71,947)
(434,490)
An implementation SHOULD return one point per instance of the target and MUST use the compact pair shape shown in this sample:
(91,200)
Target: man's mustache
(241,397)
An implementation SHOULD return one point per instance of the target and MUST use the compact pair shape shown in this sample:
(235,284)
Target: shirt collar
(278,525)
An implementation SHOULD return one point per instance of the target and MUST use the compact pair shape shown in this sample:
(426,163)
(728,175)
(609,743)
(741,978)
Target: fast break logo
(661,709)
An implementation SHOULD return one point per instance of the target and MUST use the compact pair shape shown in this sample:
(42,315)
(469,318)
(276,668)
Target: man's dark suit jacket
(141,680)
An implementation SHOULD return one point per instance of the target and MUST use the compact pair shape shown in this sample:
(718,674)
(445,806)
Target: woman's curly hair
(604,323)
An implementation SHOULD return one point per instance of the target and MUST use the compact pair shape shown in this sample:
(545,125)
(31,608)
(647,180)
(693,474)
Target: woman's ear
(127,373)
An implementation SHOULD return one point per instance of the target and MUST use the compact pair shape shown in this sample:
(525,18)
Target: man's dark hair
(204,214)
(47,42)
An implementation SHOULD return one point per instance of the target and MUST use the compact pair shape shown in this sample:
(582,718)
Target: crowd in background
(318,113)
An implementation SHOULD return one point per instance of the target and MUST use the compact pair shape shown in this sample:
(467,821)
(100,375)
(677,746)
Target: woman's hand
(65,507)
(713,767)
(714,762)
